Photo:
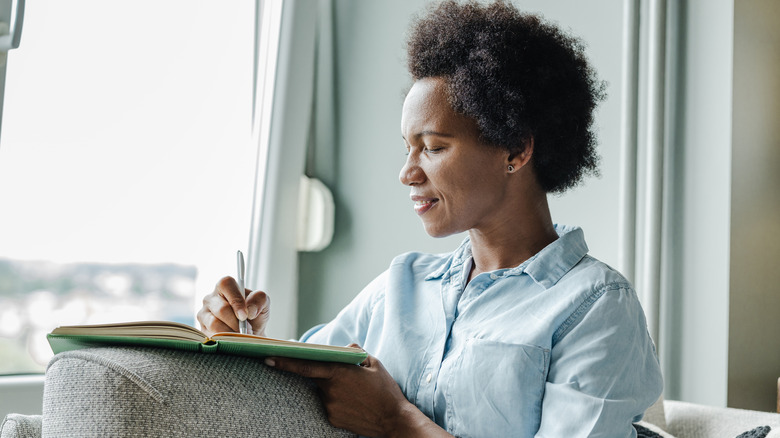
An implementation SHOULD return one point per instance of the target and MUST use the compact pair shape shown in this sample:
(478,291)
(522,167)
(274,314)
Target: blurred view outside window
(126,164)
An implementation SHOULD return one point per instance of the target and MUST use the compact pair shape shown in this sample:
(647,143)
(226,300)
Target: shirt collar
(546,267)
(454,261)
(557,258)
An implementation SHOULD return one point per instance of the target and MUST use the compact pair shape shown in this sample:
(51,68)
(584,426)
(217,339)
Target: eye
(433,149)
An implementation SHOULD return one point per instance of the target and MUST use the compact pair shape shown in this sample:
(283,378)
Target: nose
(411,173)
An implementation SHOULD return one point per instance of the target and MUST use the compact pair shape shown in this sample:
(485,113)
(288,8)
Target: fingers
(258,310)
(225,306)
(227,288)
(209,323)
(217,315)
(316,369)
(305,368)
(365,400)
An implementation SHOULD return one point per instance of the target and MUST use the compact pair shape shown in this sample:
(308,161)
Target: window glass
(126,164)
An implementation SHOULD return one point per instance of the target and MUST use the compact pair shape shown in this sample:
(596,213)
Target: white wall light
(316,212)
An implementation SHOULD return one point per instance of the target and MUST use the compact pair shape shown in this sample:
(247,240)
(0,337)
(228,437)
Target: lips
(423,204)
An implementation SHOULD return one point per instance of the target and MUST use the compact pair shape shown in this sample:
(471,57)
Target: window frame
(21,391)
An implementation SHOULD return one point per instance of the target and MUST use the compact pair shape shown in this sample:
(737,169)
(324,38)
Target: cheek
(465,191)
(474,179)
(452,181)
(476,176)
(481,190)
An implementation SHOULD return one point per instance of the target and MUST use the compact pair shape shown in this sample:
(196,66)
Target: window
(126,164)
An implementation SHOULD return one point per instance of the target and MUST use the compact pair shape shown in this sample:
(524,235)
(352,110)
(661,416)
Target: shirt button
(493,277)
(428,378)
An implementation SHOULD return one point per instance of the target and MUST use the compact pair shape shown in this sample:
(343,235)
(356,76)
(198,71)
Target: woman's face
(457,183)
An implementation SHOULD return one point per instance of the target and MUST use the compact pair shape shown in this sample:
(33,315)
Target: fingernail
(270,362)
(252,312)
(241,314)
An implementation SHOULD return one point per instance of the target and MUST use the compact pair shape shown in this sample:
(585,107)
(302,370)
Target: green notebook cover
(183,337)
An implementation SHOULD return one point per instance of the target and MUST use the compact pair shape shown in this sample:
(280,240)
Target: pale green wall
(375,221)
(374,218)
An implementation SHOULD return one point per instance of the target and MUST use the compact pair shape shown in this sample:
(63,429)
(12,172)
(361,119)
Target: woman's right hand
(225,306)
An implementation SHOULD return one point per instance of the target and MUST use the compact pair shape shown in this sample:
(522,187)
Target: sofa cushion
(154,392)
(655,414)
(694,420)
(648,430)
(21,426)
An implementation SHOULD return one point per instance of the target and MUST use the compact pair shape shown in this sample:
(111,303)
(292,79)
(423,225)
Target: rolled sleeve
(604,372)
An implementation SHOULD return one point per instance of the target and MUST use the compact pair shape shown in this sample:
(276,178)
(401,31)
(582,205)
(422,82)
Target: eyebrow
(427,133)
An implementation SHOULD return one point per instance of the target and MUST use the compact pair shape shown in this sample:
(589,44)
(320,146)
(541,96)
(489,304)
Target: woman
(518,332)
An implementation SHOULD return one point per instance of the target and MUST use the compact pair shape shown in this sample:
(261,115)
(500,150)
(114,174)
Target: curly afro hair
(520,77)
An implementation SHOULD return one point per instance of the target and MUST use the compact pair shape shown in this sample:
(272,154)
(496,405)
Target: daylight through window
(126,164)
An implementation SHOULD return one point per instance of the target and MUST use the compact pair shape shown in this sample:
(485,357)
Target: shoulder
(421,266)
(411,270)
(420,260)
(598,275)
(600,292)
(405,273)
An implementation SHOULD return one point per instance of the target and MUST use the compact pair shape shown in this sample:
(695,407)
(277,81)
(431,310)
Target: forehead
(426,108)
(425,95)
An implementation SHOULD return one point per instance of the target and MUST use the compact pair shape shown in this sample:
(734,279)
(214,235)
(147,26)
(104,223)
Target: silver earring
(510,168)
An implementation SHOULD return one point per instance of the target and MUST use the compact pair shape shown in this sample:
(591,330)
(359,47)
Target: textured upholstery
(21,426)
(152,392)
(156,392)
(694,420)
(655,414)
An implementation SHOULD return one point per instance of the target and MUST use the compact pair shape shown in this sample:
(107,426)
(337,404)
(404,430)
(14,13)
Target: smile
(423,205)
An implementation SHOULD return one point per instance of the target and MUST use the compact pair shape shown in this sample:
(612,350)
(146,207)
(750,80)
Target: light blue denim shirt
(555,347)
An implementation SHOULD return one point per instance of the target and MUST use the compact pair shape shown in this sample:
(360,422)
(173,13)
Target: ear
(519,159)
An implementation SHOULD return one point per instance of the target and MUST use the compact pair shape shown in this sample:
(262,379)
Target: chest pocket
(496,389)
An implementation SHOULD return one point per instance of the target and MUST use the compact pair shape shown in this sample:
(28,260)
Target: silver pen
(241,324)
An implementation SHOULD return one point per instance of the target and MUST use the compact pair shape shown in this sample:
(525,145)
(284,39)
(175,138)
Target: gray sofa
(113,392)
(152,392)
(676,419)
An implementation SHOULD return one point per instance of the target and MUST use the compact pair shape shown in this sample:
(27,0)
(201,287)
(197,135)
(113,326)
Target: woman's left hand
(363,399)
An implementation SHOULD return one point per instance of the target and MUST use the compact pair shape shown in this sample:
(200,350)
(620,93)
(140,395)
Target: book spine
(212,347)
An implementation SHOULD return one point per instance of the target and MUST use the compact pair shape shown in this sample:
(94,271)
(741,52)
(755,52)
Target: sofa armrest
(21,426)
(690,420)
(117,391)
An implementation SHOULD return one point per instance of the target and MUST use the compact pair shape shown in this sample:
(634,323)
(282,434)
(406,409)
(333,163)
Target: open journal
(177,336)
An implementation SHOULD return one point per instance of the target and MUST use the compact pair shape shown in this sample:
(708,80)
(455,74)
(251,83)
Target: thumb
(367,361)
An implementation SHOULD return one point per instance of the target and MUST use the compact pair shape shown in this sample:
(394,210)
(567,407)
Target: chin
(437,232)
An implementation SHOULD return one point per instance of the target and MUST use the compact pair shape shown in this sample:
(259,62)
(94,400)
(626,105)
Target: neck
(514,240)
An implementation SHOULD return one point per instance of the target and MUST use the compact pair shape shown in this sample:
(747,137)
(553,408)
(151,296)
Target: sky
(126,133)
